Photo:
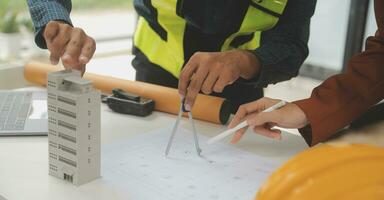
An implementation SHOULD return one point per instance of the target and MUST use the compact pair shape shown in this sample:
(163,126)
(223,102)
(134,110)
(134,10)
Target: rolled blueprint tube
(206,108)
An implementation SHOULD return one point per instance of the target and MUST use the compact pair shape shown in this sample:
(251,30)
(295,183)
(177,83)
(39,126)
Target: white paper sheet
(139,167)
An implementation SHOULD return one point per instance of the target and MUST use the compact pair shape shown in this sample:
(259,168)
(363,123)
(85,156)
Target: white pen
(242,124)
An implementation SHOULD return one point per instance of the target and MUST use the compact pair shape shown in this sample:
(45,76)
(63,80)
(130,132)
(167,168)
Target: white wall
(371,21)
(328,30)
(328,33)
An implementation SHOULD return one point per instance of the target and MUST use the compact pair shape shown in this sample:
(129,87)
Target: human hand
(212,71)
(289,116)
(72,45)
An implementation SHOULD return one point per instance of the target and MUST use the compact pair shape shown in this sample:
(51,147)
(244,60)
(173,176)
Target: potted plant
(10,37)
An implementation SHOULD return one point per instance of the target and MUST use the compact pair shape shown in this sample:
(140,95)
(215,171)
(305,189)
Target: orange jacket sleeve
(342,98)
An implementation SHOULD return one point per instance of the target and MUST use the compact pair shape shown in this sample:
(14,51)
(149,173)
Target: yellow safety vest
(169,53)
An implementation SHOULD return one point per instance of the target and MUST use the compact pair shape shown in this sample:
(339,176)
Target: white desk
(24,160)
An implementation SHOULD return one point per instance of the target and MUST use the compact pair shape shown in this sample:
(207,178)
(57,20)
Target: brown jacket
(342,98)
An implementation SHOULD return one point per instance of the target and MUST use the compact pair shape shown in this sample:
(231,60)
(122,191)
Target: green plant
(9,23)
(9,11)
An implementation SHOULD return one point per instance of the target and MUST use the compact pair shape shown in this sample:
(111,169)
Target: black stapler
(128,103)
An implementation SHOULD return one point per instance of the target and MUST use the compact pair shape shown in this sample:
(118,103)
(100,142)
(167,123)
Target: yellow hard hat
(326,172)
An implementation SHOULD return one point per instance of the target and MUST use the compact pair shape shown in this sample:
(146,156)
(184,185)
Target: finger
(244,110)
(81,68)
(241,132)
(57,41)
(209,82)
(219,85)
(260,105)
(225,79)
(195,86)
(186,74)
(265,117)
(88,50)
(267,132)
(239,116)
(236,138)
(51,30)
(74,47)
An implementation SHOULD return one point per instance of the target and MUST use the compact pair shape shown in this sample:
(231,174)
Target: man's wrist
(249,64)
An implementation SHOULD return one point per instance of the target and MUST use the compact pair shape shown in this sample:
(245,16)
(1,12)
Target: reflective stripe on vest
(169,53)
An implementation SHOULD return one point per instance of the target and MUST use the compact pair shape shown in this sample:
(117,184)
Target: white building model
(74,127)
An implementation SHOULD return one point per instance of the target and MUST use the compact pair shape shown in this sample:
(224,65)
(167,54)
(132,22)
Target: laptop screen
(38,109)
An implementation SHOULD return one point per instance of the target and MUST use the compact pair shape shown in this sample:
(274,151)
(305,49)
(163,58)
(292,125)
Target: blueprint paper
(138,166)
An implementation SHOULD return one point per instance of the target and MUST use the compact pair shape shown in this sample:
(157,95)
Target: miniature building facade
(73,127)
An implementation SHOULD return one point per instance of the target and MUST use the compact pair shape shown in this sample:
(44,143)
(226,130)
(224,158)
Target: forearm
(44,11)
(283,49)
(342,98)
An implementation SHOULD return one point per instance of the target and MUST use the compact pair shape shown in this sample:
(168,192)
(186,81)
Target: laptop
(23,113)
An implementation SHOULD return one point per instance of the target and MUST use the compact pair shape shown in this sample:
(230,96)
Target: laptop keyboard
(14,109)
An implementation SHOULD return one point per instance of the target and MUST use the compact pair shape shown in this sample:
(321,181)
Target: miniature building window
(67,137)
(68,161)
(66,100)
(66,113)
(67,125)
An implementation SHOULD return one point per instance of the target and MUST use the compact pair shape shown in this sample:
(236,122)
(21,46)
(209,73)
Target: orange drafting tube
(207,108)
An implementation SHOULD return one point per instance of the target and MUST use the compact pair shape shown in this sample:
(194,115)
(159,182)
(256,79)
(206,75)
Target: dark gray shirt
(282,50)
